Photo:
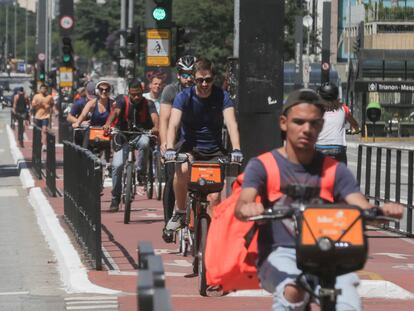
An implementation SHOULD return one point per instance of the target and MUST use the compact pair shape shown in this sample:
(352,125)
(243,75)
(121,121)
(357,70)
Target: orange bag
(231,249)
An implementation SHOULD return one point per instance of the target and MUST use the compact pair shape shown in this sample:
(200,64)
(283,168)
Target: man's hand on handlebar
(249,210)
(154,131)
(170,155)
(236,156)
(393,210)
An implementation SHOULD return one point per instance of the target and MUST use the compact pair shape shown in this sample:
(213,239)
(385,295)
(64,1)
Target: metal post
(359,164)
(409,224)
(299,52)
(349,38)
(368,171)
(6,44)
(15,29)
(326,42)
(123,27)
(378,176)
(387,175)
(26,30)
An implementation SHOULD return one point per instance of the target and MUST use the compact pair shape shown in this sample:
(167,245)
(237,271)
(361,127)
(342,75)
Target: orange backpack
(231,249)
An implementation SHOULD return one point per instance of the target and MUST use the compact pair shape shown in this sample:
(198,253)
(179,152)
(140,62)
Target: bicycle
(205,177)
(158,172)
(330,239)
(129,185)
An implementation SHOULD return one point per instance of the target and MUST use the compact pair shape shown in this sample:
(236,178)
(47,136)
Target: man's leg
(143,146)
(168,199)
(44,136)
(349,299)
(118,161)
(277,275)
(20,129)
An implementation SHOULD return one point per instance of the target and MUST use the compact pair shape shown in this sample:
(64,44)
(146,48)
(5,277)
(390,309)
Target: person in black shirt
(131,112)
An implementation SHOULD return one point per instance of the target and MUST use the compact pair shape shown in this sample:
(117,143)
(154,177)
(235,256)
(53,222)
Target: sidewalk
(386,279)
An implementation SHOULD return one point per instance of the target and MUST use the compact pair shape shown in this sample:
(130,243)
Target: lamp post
(307,22)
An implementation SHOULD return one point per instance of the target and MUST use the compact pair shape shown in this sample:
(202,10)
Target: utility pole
(6,45)
(261,34)
(26,31)
(326,42)
(15,29)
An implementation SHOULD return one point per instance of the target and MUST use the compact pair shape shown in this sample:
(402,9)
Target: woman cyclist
(331,140)
(98,109)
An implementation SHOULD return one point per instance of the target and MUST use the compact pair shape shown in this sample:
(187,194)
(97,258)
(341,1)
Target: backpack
(231,249)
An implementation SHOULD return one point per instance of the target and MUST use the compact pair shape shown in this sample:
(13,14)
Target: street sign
(158,47)
(66,22)
(41,56)
(65,77)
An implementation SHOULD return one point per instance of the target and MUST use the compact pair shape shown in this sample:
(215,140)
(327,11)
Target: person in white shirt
(331,140)
(155,89)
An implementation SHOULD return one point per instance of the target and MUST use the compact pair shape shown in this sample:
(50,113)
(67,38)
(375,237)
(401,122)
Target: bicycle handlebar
(184,157)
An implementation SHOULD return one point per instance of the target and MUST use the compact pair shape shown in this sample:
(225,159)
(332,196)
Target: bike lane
(390,259)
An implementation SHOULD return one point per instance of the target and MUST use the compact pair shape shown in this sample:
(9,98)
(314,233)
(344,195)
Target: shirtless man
(42,105)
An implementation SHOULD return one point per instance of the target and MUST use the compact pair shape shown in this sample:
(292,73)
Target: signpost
(158,47)
(65,77)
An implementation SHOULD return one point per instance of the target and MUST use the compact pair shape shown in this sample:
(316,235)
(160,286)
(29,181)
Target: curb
(73,273)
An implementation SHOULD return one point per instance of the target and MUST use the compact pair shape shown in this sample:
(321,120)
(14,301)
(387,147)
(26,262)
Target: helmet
(186,63)
(328,91)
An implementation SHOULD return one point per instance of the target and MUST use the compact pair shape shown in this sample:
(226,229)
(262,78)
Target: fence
(51,164)
(151,292)
(390,181)
(82,201)
(37,152)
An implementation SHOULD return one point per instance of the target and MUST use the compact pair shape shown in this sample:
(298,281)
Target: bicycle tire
(150,178)
(158,177)
(202,234)
(128,192)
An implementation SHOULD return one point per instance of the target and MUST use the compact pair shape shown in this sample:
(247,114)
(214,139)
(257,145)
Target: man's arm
(173,124)
(246,205)
(88,107)
(165,113)
(390,209)
(115,112)
(155,122)
(354,124)
(15,97)
(231,123)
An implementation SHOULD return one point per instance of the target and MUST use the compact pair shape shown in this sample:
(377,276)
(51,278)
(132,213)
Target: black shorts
(200,155)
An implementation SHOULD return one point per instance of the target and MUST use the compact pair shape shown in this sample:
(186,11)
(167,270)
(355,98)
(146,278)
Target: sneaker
(44,148)
(114,204)
(176,222)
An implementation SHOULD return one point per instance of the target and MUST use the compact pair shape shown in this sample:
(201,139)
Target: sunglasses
(186,75)
(206,80)
(104,89)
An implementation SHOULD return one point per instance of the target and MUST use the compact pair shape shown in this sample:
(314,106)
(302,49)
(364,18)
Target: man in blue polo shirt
(202,111)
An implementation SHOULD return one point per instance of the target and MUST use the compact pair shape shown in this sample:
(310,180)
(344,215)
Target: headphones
(97,92)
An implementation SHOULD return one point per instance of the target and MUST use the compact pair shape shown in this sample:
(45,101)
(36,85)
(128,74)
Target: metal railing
(390,173)
(37,152)
(82,201)
(151,292)
(51,164)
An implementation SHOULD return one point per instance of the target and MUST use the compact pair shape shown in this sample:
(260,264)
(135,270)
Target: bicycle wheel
(150,178)
(158,176)
(129,187)
(202,235)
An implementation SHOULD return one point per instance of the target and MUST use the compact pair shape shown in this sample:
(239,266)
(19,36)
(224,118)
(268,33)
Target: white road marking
(407,267)
(179,263)
(394,255)
(8,192)
(100,307)
(135,273)
(91,298)
(13,293)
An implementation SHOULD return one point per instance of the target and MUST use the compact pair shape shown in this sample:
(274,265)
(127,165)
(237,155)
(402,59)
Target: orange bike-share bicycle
(330,239)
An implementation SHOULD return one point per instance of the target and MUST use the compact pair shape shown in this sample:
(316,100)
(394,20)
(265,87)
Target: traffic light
(42,72)
(132,42)
(158,13)
(184,39)
(67,52)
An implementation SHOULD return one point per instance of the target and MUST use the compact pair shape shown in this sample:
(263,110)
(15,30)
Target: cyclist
(331,140)
(42,105)
(201,109)
(298,162)
(185,79)
(98,111)
(155,89)
(87,94)
(130,113)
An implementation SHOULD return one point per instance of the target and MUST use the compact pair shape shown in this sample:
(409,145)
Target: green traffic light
(159,14)
(41,76)
(66,58)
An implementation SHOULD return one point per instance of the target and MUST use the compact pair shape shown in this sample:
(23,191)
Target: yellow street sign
(65,76)
(158,47)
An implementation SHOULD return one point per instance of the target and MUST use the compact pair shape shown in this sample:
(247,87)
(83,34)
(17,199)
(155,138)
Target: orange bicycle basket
(97,134)
(206,177)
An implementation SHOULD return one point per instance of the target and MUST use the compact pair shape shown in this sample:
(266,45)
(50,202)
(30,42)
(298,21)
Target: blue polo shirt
(202,118)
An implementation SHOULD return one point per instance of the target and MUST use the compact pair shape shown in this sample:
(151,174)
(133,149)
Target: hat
(90,90)
(307,96)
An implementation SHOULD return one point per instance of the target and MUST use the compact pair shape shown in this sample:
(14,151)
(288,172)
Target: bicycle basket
(97,136)
(331,238)
(206,177)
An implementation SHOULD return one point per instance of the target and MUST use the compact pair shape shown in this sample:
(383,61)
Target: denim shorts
(41,122)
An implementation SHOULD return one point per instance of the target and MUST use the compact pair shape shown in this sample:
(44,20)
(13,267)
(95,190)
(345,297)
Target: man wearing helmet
(185,66)
(331,140)
(202,110)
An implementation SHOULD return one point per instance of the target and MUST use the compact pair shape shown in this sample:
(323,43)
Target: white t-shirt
(156,101)
(333,131)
